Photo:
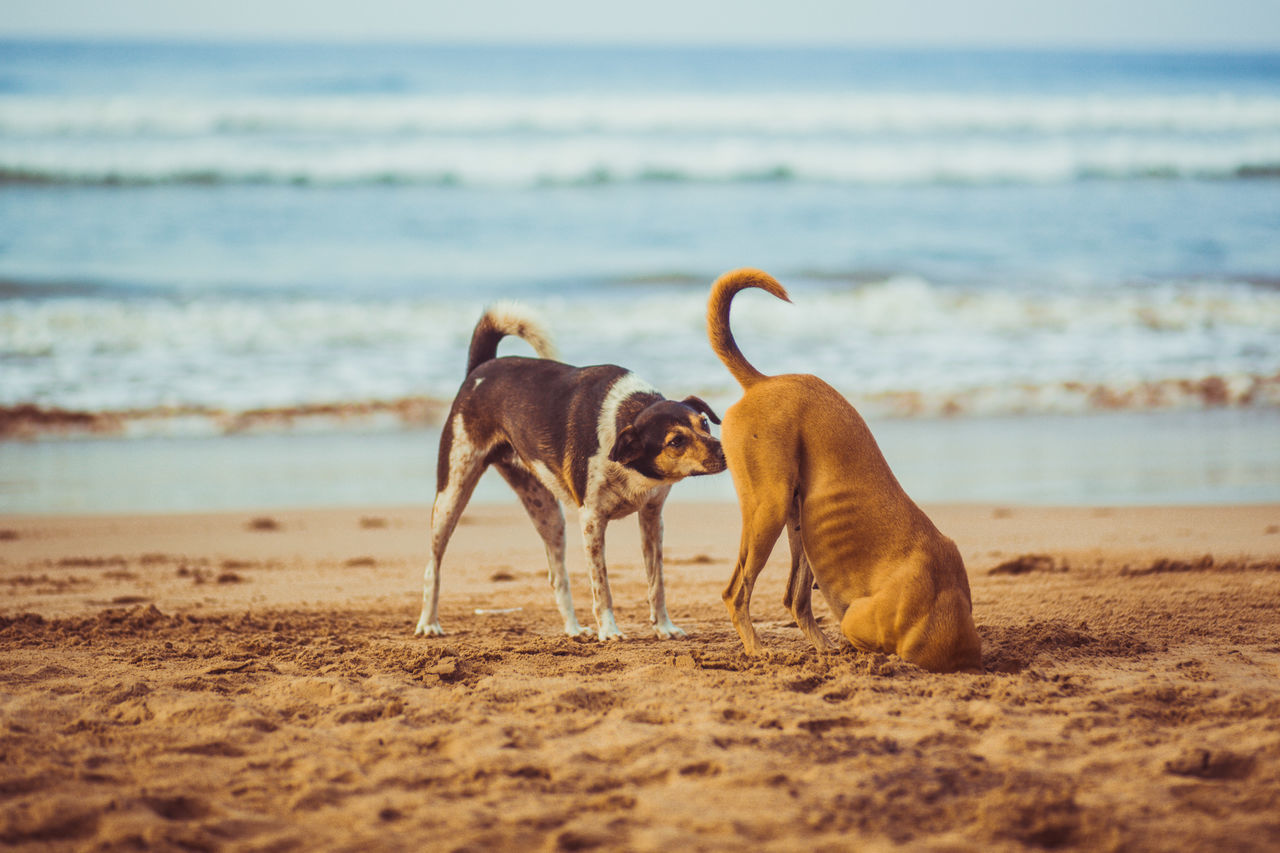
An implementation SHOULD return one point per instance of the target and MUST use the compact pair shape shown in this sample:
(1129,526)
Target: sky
(1149,24)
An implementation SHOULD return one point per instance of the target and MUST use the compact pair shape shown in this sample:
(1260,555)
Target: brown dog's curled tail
(500,320)
(722,341)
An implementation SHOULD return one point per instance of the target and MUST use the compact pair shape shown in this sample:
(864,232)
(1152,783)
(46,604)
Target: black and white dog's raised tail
(598,437)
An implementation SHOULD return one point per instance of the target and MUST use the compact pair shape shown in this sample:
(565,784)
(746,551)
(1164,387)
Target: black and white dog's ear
(627,447)
(700,405)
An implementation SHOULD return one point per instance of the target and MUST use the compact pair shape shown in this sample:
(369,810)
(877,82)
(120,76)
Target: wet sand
(250,681)
(1212,456)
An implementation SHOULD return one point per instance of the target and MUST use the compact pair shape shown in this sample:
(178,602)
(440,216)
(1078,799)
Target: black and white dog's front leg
(650,516)
(593,525)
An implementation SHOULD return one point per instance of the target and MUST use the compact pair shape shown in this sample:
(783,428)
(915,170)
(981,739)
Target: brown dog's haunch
(802,458)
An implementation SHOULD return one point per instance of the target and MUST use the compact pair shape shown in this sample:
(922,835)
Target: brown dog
(802,457)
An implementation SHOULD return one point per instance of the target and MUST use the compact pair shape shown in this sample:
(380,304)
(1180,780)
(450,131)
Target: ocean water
(198,239)
(233,227)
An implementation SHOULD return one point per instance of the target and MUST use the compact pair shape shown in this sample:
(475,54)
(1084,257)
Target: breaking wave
(585,140)
(901,346)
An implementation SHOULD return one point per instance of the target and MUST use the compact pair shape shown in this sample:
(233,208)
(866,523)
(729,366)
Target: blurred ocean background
(269,257)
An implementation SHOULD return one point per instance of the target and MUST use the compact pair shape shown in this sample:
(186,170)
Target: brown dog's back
(798,429)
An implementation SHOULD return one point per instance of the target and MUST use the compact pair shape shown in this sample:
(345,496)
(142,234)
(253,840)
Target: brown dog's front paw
(750,642)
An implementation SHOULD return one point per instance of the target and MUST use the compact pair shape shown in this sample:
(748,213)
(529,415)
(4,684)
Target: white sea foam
(527,163)
(903,344)
(757,113)
(530,140)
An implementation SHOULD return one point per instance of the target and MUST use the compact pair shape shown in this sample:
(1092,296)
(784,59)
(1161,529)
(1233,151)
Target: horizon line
(616,43)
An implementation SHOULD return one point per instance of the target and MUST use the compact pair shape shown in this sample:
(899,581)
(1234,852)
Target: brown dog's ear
(700,405)
(627,447)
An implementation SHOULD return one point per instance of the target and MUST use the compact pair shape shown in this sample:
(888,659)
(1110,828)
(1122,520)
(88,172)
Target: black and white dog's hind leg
(548,517)
(464,465)
(466,462)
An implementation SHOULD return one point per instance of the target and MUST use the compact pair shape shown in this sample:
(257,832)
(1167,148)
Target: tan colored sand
(243,681)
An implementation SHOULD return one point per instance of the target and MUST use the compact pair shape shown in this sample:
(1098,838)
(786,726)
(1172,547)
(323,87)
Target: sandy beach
(250,681)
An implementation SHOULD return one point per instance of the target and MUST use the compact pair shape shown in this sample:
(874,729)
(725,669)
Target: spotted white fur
(613,491)
(651,543)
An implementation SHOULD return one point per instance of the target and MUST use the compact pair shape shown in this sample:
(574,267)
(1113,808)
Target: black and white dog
(598,437)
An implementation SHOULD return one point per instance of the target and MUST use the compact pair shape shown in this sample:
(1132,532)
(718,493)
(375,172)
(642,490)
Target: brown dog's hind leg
(761,526)
(860,628)
(799,595)
(944,641)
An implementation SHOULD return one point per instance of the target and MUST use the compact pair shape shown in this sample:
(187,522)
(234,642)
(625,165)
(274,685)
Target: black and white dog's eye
(706,427)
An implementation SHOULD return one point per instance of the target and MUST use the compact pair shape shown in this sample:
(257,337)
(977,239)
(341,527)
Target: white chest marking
(616,490)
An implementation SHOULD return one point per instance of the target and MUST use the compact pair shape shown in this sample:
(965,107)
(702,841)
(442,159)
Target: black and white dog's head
(670,440)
